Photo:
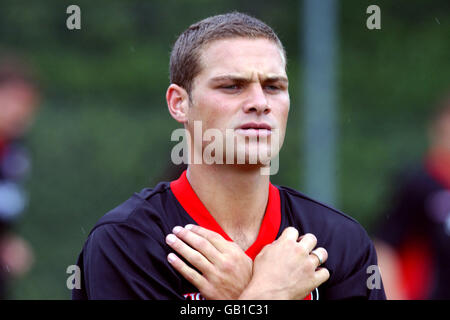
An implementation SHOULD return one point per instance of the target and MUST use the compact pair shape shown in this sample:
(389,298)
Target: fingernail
(189,226)
(171,238)
(171,257)
(176,229)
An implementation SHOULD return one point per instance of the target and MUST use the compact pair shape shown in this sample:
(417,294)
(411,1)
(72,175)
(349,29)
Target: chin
(253,154)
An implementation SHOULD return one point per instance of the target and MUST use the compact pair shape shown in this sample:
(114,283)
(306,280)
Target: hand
(286,269)
(225,269)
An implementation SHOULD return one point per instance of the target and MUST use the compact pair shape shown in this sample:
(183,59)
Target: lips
(256,126)
(254,129)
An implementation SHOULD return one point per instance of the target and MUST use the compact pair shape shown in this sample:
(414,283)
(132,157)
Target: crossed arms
(224,271)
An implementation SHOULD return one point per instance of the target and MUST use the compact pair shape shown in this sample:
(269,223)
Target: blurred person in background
(413,239)
(18,102)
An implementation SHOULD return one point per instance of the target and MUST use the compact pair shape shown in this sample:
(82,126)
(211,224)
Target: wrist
(257,291)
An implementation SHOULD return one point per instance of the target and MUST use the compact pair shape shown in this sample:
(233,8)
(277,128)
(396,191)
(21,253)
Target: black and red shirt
(125,255)
(417,225)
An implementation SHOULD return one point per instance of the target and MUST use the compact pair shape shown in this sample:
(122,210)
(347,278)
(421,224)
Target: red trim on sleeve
(270,225)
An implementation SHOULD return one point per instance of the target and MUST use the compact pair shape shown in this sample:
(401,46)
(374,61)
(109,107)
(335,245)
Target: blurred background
(102,129)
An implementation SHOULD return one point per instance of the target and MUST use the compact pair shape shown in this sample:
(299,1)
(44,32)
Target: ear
(177,102)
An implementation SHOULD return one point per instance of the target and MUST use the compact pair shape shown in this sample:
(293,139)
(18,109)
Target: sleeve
(355,275)
(120,262)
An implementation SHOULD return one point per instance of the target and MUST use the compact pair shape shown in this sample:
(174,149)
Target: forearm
(258,290)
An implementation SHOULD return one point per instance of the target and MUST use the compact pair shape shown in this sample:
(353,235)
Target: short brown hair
(184,58)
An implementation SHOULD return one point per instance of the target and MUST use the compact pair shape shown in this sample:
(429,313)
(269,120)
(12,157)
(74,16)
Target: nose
(256,100)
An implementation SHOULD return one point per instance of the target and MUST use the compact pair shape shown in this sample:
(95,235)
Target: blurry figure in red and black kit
(413,243)
(18,102)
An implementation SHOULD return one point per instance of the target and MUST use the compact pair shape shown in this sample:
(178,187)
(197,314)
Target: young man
(414,232)
(244,238)
(19,99)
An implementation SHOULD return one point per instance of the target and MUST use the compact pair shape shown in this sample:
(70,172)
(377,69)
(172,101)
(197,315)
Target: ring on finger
(318,255)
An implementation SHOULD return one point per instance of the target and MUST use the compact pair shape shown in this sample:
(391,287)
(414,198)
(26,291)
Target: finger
(290,233)
(219,242)
(194,257)
(308,242)
(197,242)
(320,255)
(187,272)
(321,275)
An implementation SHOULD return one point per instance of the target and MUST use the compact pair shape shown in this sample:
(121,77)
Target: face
(17,104)
(242,88)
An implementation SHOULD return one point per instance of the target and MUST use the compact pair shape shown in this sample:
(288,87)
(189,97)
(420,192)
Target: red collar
(270,225)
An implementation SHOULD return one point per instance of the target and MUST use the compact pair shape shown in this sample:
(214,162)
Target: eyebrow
(244,79)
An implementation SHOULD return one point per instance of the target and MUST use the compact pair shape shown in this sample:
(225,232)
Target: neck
(236,196)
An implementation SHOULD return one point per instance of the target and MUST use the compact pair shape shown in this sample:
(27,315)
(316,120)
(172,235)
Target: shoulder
(125,253)
(316,217)
(139,223)
(143,211)
(415,181)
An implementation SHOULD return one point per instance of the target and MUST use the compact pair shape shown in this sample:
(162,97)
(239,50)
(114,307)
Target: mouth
(255,129)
